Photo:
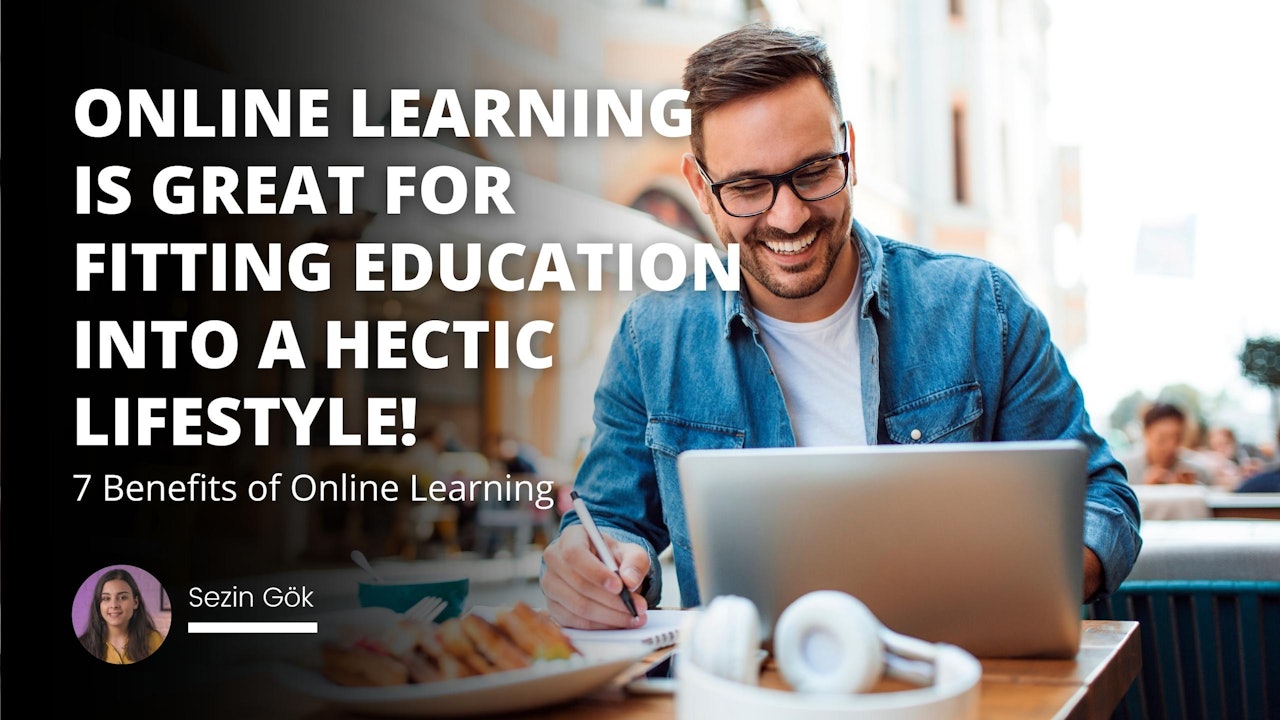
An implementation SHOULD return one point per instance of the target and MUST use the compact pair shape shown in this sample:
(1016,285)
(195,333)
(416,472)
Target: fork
(427,609)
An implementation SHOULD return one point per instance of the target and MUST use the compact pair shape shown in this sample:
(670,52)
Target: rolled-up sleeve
(1040,400)
(617,480)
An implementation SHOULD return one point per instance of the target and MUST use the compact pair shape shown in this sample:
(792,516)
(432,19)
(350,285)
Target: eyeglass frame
(775,180)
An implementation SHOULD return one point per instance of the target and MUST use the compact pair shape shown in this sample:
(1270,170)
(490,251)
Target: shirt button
(915,434)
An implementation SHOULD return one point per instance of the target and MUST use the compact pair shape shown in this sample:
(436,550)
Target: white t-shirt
(818,367)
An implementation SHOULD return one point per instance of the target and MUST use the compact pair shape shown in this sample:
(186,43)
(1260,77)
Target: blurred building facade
(948,99)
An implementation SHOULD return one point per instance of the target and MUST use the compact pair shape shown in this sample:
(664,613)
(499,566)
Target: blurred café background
(1115,158)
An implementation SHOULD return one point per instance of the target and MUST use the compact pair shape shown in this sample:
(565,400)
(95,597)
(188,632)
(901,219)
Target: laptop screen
(974,544)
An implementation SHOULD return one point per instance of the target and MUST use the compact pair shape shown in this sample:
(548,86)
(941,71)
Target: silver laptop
(974,544)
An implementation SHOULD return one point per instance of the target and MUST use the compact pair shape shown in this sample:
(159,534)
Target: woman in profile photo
(119,630)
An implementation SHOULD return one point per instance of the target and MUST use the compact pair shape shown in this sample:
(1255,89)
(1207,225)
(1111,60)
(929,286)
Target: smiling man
(841,337)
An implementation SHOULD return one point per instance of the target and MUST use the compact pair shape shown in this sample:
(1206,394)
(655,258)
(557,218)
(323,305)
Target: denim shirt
(951,351)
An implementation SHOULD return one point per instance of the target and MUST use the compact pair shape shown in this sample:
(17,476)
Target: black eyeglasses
(815,180)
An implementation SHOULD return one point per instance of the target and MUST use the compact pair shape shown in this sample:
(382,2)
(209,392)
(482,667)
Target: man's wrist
(1094,576)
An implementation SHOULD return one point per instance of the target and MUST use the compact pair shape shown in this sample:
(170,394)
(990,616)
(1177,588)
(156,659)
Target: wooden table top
(1089,686)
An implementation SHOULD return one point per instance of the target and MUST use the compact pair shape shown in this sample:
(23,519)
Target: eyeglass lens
(813,181)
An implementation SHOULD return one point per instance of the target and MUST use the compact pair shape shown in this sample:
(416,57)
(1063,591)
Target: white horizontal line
(233,628)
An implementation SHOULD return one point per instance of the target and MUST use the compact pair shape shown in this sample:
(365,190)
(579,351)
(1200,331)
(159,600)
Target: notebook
(662,629)
(977,545)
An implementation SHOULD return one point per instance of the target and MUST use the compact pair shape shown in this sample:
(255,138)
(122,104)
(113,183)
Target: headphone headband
(827,677)
(953,696)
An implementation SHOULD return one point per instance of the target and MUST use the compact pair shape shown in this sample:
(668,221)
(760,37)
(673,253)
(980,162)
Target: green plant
(1125,418)
(1260,364)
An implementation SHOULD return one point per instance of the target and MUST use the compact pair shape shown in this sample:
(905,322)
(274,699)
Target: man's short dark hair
(1162,411)
(750,60)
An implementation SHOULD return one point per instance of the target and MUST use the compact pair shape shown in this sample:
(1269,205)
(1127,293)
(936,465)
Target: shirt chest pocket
(670,436)
(949,415)
(666,439)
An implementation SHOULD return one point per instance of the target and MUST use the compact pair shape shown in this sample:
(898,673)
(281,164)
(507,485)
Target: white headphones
(829,648)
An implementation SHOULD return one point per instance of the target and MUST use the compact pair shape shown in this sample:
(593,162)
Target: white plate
(541,684)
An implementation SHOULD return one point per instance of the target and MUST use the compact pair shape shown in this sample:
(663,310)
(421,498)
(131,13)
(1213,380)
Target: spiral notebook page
(662,629)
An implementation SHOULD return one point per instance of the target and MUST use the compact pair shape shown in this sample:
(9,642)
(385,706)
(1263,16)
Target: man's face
(1163,438)
(789,251)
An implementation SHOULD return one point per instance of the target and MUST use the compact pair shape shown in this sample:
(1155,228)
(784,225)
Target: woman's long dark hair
(94,638)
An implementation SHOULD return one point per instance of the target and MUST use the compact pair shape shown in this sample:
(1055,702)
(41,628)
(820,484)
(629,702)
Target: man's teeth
(790,247)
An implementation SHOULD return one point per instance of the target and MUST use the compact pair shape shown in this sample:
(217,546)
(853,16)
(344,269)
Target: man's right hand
(582,593)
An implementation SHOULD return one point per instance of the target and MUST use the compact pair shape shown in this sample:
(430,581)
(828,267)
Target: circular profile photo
(121,614)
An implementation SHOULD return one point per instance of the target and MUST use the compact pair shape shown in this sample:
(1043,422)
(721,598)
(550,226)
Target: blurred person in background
(418,523)
(1247,458)
(1268,480)
(516,459)
(511,455)
(1223,469)
(423,456)
(1194,433)
(1161,459)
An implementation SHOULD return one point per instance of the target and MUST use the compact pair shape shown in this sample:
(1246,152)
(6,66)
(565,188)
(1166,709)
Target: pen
(602,548)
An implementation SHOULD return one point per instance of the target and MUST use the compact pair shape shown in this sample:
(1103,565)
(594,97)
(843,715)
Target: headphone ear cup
(829,642)
(726,639)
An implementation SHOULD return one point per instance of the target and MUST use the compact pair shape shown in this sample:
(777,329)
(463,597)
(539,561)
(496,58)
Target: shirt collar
(870,265)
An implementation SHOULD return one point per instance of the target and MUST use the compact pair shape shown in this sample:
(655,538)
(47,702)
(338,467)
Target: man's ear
(697,184)
(853,155)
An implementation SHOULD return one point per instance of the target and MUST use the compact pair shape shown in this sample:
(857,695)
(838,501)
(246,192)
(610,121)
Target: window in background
(960,152)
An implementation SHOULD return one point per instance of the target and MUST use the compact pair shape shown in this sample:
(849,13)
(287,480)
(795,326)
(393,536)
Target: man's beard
(797,281)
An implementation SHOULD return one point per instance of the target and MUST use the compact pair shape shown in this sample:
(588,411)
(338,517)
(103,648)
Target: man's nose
(789,213)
